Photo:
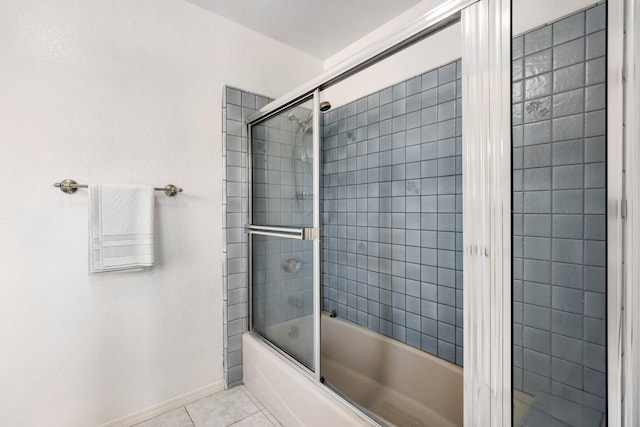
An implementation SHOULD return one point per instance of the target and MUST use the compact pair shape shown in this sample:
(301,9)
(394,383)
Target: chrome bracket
(310,234)
(67,186)
(171,190)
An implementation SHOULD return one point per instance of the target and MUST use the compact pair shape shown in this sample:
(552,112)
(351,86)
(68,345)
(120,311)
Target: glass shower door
(559,214)
(282,228)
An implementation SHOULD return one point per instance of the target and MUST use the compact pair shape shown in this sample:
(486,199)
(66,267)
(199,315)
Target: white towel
(120,227)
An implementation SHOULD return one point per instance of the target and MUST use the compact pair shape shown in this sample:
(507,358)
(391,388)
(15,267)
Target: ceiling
(318,27)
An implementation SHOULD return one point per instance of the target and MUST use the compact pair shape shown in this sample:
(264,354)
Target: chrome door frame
(631,229)
(317,301)
(486,175)
(615,200)
(623,217)
(297,233)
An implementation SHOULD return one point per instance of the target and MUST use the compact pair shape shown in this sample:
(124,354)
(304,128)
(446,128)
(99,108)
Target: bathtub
(398,383)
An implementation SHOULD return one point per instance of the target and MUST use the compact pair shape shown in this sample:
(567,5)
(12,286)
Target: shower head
(325,106)
(305,125)
(294,118)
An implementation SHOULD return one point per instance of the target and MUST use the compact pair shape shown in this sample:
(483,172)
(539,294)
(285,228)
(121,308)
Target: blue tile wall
(559,221)
(392,212)
(237,105)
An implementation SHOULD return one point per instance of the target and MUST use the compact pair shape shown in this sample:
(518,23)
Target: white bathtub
(400,384)
(291,396)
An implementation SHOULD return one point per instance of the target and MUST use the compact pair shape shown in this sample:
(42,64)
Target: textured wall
(559,183)
(392,212)
(127,92)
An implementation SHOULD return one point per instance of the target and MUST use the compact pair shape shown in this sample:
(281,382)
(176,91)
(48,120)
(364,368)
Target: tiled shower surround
(237,105)
(559,200)
(392,212)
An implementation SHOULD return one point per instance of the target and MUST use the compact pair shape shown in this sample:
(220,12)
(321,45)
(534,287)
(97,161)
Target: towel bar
(69,186)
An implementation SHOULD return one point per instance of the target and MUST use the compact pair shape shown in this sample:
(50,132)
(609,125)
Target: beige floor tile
(256,420)
(222,409)
(176,418)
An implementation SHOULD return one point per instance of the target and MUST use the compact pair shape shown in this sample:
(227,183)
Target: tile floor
(235,407)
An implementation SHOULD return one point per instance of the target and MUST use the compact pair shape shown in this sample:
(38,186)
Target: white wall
(115,91)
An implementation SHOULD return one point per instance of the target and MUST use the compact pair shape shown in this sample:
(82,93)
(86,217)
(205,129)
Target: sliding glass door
(282,226)
(559,151)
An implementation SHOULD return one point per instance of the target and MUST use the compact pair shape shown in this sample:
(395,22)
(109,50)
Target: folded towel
(120,227)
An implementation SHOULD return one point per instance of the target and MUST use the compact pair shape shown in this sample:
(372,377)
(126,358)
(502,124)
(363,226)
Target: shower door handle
(284,232)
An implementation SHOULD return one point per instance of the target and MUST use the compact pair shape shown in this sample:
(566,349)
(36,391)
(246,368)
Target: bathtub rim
(310,375)
(308,372)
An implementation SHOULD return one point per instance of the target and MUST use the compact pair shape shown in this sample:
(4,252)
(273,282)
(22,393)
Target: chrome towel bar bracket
(69,186)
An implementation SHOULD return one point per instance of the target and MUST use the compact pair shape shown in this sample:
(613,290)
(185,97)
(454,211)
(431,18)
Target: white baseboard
(166,406)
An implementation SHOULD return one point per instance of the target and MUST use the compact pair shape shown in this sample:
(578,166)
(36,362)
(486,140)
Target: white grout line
(271,418)
(252,397)
(189,415)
